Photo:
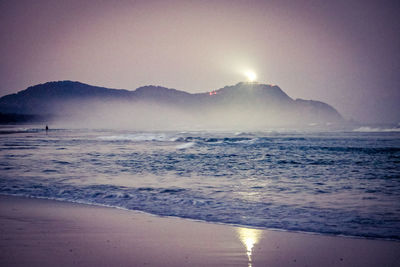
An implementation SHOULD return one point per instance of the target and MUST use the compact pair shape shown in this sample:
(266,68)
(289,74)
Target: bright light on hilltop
(251,76)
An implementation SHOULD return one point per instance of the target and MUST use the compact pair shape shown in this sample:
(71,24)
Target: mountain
(241,104)
(44,98)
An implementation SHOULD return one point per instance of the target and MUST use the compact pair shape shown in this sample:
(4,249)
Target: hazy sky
(345,53)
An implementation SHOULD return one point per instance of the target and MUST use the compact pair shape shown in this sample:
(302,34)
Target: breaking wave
(137,137)
(376,130)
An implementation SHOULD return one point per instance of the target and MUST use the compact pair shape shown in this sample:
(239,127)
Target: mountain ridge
(247,100)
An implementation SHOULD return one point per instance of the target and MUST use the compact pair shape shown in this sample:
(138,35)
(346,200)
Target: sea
(344,182)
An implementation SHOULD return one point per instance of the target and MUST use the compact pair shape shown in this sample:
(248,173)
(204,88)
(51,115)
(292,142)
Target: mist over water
(121,115)
(342,182)
(152,115)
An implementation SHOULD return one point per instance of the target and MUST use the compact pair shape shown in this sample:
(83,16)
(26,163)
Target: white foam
(375,130)
(136,137)
(243,133)
(250,141)
(185,145)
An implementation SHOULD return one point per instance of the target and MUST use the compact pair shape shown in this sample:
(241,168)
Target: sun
(251,76)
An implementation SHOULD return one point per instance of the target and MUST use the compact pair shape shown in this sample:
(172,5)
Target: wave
(185,145)
(7,130)
(244,134)
(375,130)
(188,140)
(138,137)
(216,140)
(192,204)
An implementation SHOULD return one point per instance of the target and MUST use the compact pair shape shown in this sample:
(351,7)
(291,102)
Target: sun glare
(249,238)
(251,76)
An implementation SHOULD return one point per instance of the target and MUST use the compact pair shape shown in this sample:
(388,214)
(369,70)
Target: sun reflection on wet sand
(249,237)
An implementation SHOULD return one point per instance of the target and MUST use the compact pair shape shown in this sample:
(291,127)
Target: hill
(241,104)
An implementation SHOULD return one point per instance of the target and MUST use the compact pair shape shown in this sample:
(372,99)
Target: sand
(37,232)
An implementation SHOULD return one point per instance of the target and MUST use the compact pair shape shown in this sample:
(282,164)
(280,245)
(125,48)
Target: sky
(345,53)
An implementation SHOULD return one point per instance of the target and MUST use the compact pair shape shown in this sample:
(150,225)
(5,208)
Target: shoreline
(203,221)
(41,232)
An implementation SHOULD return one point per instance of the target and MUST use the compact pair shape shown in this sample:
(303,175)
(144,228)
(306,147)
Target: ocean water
(341,183)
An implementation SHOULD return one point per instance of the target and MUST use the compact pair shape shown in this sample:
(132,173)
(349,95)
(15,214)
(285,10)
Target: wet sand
(36,232)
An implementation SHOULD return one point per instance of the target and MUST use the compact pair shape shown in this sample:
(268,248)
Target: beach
(39,232)
(200,133)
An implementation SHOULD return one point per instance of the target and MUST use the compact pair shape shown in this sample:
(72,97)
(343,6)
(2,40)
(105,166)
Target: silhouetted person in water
(47,128)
